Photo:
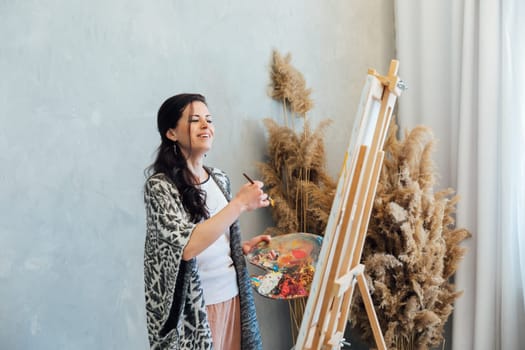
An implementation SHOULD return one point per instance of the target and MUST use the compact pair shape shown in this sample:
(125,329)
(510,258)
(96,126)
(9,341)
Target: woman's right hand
(251,196)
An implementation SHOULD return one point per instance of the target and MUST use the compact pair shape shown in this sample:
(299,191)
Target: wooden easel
(338,268)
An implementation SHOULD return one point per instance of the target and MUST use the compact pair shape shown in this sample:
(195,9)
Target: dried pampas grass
(295,177)
(288,85)
(412,248)
(294,172)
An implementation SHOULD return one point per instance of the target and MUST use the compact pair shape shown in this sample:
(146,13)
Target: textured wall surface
(80,86)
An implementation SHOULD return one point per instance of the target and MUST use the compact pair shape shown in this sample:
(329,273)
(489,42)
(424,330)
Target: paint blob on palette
(289,262)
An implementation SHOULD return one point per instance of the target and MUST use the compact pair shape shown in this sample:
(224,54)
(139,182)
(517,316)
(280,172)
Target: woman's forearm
(249,197)
(208,231)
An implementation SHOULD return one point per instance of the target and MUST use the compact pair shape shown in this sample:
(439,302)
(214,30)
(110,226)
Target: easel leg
(372,317)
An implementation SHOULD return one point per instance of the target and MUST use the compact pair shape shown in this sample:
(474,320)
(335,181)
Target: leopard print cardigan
(175,309)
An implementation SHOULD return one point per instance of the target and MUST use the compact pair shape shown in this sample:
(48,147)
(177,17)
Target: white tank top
(216,270)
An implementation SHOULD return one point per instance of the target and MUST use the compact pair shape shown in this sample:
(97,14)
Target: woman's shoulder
(216,171)
(157,178)
(159,181)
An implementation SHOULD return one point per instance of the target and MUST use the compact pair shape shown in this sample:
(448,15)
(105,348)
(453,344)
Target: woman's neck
(196,167)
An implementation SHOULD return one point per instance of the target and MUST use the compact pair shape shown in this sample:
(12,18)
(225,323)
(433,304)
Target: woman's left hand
(247,246)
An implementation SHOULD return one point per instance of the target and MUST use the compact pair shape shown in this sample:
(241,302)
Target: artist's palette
(289,262)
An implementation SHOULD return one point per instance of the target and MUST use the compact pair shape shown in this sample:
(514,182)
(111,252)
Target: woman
(197,286)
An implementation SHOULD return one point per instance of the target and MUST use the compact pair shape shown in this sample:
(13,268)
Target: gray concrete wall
(80,85)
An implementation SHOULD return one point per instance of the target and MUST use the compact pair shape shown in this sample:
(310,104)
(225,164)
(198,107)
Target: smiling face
(194,131)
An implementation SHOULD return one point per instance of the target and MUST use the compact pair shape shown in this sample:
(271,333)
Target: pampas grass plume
(412,248)
(288,85)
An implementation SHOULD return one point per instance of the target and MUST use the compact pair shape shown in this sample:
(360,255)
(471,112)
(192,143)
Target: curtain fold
(464,65)
(512,169)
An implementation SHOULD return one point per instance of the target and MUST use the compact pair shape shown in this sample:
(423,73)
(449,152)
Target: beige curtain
(464,64)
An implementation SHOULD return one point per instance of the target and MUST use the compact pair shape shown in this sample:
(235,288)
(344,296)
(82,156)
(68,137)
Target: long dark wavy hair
(170,160)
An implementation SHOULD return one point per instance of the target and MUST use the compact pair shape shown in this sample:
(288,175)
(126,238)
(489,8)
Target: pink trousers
(225,323)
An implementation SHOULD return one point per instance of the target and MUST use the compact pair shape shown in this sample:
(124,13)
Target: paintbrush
(251,181)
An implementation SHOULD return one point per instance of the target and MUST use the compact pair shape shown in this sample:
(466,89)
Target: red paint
(299,253)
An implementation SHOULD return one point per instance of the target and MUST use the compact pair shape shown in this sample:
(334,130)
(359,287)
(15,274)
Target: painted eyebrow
(196,115)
